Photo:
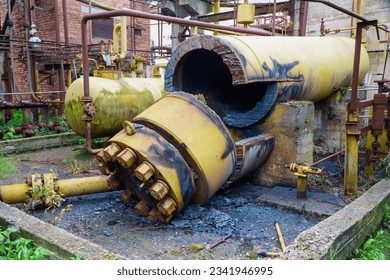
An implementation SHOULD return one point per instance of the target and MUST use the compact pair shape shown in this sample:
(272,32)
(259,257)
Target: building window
(102,28)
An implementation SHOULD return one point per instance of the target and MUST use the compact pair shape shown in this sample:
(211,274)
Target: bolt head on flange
(144,172)
(126,197)
(159,190)
(167,206)
(126,158)
(110,153)
(142,208)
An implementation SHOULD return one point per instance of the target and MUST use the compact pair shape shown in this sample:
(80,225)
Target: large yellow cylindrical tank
(114,100)
(243,76)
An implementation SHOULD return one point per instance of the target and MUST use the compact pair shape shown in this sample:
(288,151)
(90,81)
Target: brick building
(58,24)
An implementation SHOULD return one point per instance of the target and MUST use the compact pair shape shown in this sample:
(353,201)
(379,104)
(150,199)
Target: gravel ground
(105,220)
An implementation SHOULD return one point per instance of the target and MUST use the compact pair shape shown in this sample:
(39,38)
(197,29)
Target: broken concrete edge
(336,237)
(39,142)
(62,244)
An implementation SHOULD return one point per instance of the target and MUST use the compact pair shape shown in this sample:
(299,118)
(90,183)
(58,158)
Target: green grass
(19,248)
(7,166)
(377,247)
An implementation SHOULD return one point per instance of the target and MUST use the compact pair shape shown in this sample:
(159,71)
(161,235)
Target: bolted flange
(144,172)
(110,153)
(159,190)
(126,158)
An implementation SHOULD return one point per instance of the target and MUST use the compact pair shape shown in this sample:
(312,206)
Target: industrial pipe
(121,27)
(87,99)
(251,73)
(165,159)
(18,193)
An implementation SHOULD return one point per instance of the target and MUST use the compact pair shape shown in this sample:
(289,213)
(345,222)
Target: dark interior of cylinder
(203,72)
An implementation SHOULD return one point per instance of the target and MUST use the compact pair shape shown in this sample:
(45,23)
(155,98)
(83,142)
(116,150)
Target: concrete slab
(322,204)
(39,142)
(61,243)
(337,236)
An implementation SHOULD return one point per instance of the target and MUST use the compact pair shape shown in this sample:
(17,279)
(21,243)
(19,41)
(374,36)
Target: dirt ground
(103,218)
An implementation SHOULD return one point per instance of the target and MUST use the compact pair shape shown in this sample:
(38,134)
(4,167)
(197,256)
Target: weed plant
(19,248)
(7,166)
(377,247)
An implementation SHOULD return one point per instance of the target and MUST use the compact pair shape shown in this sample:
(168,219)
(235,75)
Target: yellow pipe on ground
(18,193)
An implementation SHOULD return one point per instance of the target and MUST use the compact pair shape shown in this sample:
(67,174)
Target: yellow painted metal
(116,100)
(280,237)
(351,154)
(192,128)
(140,143)
(217,4)
(18,193)
(305,68)
(320,64)
(246,13)
(301,172)
(175,162)
(115,38)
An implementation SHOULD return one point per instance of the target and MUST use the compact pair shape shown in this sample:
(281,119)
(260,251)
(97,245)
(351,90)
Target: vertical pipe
(90,23)
(352,125)
(291,13)
(235,13)
(65,13)
(274,19)
(303,18)
(11,48)
(216,11)
(58,42)
(56,22)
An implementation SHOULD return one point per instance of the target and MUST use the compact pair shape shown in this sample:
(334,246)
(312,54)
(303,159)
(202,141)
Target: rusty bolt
(126,197)
(114,182)
(126,158)
(159,190)
(155,215)
(167,206)
(144,172)
(142,208)
(111,152)
(100,157)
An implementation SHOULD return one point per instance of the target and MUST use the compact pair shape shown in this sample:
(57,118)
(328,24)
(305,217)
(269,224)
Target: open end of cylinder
(203,71)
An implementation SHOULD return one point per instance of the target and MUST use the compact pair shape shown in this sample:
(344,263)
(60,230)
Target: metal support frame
(352,123)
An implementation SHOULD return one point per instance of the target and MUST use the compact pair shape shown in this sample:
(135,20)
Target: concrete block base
(292,124)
